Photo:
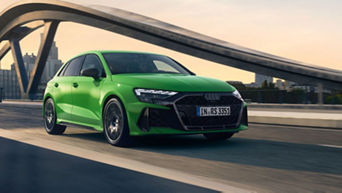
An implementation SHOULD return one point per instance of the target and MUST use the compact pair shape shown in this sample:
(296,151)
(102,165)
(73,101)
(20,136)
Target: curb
(26,105)
(320,123)
(295,106)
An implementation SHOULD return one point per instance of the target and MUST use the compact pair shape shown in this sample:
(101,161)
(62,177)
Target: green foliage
(266,85)
(238,85)
(333,99)
(267,93)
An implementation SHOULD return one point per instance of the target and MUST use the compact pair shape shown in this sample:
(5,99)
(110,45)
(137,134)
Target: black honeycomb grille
(164,118)
(186,108)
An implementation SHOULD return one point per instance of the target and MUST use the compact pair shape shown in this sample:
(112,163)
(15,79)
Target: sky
(309,31)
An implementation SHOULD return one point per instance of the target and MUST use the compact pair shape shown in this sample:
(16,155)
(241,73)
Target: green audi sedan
(126,94)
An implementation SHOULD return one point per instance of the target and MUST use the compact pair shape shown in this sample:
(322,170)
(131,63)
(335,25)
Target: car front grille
(186,108)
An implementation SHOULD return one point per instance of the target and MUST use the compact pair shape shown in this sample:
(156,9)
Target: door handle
(75,84)
(56,84)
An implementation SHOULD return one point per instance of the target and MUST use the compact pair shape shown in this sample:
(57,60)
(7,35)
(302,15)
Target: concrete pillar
(320,93)
(43,53)
(19,65)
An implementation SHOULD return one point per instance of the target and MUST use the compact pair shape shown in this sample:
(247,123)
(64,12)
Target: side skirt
(74,124)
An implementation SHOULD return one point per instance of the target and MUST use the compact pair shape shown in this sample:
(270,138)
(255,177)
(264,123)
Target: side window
(92,61)
(73,69)
(61,73)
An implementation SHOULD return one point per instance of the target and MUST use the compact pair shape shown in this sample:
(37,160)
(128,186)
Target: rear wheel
(50,118)
(218,136)
(115,124)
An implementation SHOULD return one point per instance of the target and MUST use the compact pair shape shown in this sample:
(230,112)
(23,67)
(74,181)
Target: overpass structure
(52,12)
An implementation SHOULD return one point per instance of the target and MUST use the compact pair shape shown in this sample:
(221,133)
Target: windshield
(119,63)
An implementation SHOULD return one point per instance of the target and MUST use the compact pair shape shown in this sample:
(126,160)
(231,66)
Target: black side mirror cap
(91,72)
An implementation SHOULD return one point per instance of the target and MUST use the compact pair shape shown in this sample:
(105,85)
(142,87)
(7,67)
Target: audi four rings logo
(212,97)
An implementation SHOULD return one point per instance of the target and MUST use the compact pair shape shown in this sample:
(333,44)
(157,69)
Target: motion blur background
(304,30)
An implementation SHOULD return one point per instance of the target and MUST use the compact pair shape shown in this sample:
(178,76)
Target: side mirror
(91,72)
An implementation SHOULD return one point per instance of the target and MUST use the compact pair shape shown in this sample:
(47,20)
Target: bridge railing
(297,96)
(0,95)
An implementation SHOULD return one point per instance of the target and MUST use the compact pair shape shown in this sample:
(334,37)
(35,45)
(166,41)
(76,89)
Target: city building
(52,64)
(259,79)
(280,85)
(290,86)
(29,60)
(9,84)
(8,78)
(51,67)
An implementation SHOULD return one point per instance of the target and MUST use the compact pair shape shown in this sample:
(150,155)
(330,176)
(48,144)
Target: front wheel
(115,125)
(50,118)
(218,136)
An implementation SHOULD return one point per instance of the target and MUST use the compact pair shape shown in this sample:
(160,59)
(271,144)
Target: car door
(63,92)
(87,92)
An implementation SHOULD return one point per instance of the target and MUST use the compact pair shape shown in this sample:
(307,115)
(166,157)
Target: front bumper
(179,116)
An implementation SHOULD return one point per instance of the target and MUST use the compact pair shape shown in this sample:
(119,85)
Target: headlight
(152,96)
(237,95)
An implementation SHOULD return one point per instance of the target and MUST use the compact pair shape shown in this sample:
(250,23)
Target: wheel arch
(46,97)
(105,101)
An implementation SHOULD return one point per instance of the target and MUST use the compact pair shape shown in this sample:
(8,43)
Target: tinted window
(164,67)
(92,61)
(61,73)
(142,63)
(74,67)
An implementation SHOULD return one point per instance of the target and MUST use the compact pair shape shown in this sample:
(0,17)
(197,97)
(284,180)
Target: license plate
(213,111)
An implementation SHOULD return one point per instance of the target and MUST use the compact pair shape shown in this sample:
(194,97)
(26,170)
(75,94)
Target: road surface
(264,158)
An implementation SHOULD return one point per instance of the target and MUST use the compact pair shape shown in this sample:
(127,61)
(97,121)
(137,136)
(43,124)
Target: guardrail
(289,97)
(321,116)
(275,106)
(0,95)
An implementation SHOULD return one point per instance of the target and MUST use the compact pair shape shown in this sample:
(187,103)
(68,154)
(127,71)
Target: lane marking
(122,162)
(294,127)
(334,146)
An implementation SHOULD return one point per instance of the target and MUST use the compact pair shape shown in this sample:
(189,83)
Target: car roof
(115,51)
(109,51)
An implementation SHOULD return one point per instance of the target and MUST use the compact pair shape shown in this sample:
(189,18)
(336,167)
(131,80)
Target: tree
(264,85)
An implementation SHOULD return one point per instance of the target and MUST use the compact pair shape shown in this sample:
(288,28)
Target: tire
(50,118)
(115,125)
(218,136)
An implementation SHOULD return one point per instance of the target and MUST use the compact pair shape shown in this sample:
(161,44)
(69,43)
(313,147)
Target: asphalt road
(27,168)
(264,158)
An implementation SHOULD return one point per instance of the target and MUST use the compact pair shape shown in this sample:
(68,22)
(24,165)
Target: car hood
(173,82)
